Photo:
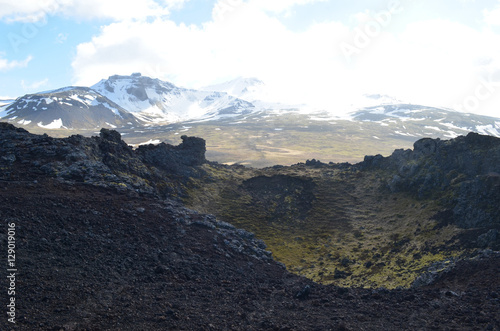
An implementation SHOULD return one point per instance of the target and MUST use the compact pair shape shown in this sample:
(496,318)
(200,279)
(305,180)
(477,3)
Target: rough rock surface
(104,161)
(93,258)
(100,245)
(467,167)
(191,152)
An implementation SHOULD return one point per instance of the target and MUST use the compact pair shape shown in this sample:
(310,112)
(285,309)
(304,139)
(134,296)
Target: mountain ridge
(157,101)
(257,133)
(68,107)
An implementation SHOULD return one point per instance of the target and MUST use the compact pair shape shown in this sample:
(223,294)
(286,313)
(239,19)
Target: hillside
(70,108)
(105,242)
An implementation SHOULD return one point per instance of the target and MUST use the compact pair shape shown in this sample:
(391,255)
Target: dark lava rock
(105,161)
(86,263)
(190,153)
(99,248)
(478,202)
(304,293)
(466,170)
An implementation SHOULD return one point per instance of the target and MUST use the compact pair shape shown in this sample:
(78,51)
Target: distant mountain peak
(376,99)
(72,107)
(247,88)
(135,83)
(157,101)
(130,101)
(382,97)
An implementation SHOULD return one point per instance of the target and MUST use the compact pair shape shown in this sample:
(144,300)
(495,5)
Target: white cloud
(35,10)
(492,17)
(435,62)
(8,65)
(279,5)
(23,10)
(441,63)
(223,7)
(229,46)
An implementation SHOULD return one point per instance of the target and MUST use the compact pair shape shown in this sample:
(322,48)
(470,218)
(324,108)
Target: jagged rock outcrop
(465,169)
(478,201)
(190,153)
(104,161)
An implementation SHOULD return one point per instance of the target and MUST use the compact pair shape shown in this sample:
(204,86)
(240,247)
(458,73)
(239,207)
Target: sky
(325,53)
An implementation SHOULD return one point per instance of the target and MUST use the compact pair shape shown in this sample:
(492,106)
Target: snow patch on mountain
(157,101)
(452,126)
(69,107)
(489,130)
(56,124)
(24,122)
(150,142)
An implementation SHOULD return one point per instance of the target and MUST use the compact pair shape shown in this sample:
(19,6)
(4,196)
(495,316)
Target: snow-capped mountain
(421,121)
(250,89)
(255,91)
(121,101)
(150,110)
(160,102)
(67,108)
(368,100)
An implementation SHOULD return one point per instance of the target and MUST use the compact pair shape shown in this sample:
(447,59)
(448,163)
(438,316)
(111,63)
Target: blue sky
(321,52)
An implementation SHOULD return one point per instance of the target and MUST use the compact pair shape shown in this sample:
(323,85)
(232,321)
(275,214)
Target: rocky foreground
(91,258)
(101,251)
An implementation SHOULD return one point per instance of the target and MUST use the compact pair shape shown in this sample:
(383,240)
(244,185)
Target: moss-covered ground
(332,224)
